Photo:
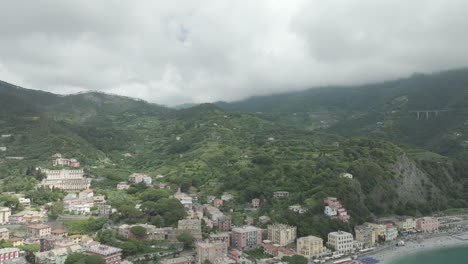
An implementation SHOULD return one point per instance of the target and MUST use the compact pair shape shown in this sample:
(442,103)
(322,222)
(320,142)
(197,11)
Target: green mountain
(207,150)
(424,111)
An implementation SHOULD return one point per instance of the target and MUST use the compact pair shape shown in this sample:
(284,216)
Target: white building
(341,242)
(5,213)
(392,233)
(330,211)
(68,180)
(186,201)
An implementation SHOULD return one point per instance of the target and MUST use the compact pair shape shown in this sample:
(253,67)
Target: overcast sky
(173,52)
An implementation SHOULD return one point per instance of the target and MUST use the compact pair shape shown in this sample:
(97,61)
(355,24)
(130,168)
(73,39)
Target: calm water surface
(456,255)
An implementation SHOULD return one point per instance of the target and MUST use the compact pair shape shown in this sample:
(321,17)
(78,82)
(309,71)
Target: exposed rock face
(413,184)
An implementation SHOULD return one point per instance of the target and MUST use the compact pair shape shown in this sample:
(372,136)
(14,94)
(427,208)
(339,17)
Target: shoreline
(390,254)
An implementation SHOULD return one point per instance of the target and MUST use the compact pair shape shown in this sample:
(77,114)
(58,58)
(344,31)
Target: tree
(154,195)
(187,239)
(56,209)
(295,259)
(106,236)
(138,231)
(80,258)
(75,258)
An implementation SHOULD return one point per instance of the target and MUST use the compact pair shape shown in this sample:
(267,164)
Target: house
(16,241)
(28,217)
(218,203)
(140,177)
(5,213)
(281,234)
(264,219)
(123,186)
(4,233)
(277,250)
(310,247)
(38,231)
(59,233)
(330,211)
(104,210)
(210,198)
(246,237)
(341,242)
(346,175)
(256,203)
(26,202)
(66,162)
(226,196)
(297,209)
(86,194)
(187,202)
(77,239)
(111,255)
(281,194)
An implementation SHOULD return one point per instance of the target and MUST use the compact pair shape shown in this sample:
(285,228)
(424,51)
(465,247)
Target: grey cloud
(173,52)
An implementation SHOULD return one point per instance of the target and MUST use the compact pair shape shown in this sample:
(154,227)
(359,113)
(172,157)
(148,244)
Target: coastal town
(206,233)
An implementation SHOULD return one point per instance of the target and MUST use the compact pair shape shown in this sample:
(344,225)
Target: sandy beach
(387,255)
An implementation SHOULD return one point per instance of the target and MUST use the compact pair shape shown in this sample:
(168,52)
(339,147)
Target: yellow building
(281,234)
(310,247)
(366,235)
(16,242)
(406,224)
(380,231)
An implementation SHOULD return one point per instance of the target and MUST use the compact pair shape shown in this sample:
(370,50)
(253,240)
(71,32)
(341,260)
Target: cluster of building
(140,177)
(335,209)
(60,161)
(82,203)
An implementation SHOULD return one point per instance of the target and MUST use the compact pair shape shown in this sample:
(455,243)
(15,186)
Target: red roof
(38,226)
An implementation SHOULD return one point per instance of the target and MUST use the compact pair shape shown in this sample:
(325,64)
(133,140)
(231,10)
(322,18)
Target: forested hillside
(426,111)
(207,150)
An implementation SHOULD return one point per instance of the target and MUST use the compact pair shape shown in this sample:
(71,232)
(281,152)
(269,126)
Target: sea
(453,255)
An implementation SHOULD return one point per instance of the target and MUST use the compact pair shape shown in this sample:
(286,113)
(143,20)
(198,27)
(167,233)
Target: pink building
(217,203)
(66,162)
(334,205)
(111,255)
(427,224)
(224,223)
(246,237)
(256,203)
(332,202)
(211,251)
